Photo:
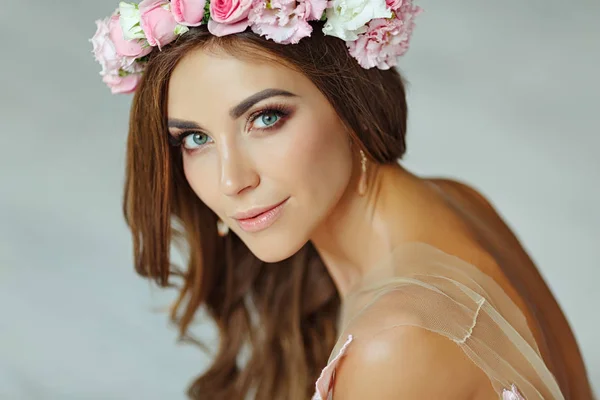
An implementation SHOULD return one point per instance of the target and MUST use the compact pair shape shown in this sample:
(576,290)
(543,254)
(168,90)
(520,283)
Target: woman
(267,148)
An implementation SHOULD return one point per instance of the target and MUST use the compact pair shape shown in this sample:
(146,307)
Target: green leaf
(206,12)
(181,29)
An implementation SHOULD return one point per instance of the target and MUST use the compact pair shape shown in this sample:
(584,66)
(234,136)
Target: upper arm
(408,362)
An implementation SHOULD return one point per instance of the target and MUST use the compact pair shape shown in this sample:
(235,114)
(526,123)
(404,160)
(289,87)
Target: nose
(238,173)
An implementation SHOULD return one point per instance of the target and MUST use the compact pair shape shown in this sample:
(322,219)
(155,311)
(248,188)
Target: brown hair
(285,312)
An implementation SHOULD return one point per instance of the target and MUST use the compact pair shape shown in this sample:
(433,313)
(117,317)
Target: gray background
(504,95)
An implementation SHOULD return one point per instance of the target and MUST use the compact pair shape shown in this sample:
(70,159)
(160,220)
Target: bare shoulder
(470,199)
(463,190)
(408,362)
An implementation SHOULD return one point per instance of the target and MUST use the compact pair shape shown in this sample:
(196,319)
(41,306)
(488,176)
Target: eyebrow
(236,111)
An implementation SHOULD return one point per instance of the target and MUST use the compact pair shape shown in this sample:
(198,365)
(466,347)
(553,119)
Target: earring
(362,183)
(222,228)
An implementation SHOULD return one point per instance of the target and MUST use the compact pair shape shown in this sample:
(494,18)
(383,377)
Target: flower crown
(376,32)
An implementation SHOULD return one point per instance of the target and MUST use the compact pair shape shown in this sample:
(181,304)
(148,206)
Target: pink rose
(228,16)
(158,22)
(119,72)
(188,12)
(104,49)
(385,39)
(128,48)
(315,9)
(379,46)
(394,4)
(285,21)
(122,84)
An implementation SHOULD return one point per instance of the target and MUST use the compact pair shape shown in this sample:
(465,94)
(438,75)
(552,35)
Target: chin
(273,250)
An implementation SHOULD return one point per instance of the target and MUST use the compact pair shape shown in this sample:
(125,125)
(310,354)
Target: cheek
(318,158)
(200,176)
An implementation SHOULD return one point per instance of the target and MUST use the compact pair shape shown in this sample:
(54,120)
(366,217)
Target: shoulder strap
(422,286)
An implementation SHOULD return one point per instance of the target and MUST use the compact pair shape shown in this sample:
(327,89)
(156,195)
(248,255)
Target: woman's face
(262,147)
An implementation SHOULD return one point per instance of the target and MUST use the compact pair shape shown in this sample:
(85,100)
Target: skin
(234,164)
(307,156)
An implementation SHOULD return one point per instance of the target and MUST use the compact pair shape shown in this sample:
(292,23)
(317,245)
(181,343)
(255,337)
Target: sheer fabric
(420,285)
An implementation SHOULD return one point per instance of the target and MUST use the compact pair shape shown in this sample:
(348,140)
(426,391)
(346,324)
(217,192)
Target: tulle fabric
(422,286)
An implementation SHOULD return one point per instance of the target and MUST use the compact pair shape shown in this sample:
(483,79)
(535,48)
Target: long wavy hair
(285,313)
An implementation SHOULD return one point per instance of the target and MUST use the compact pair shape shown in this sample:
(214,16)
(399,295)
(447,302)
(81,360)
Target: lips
(255,212)
(258,219)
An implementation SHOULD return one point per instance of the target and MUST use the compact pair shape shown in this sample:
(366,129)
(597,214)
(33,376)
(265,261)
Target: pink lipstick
(258,219)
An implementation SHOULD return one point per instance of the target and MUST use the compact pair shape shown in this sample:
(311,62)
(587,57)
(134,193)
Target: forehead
(218,80)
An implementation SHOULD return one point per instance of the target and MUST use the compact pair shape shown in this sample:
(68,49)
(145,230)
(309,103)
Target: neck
(361,229)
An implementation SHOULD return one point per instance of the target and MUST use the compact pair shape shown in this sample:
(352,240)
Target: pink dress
(420,285)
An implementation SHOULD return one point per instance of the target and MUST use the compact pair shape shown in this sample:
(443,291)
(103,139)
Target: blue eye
(267,119)
(194,140)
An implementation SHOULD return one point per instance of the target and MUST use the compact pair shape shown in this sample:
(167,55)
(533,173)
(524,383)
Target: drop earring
(222,228)
(362,183)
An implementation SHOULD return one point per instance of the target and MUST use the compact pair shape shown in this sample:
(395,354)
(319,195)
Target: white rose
(130,21)
(347,19)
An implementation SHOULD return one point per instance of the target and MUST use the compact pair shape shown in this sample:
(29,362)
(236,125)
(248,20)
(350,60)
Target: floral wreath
(376,32)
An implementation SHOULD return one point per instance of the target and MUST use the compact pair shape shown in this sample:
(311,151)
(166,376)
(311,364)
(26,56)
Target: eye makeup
(282,111)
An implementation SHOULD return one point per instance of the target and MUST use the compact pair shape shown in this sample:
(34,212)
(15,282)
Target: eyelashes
(281,111)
